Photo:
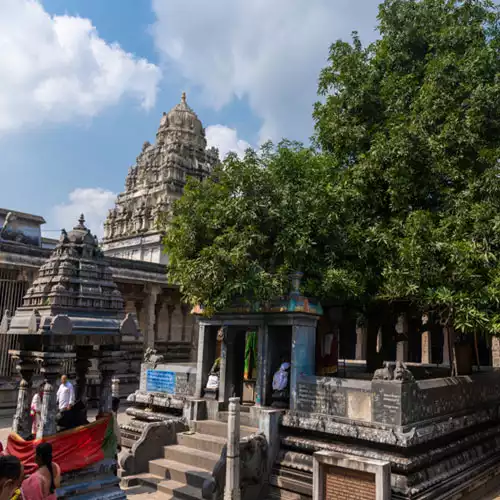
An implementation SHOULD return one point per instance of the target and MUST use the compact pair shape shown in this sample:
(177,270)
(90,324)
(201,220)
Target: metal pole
(232,489)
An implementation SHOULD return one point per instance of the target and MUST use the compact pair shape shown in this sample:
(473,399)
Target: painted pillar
(26,365)
(232,489)
(303,357)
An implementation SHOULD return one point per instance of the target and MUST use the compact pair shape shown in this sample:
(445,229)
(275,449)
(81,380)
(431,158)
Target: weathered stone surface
(155,182)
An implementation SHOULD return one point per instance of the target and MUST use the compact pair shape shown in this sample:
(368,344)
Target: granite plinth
(435,433)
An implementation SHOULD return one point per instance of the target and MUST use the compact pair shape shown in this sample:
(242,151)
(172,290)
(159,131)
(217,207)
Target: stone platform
(441,436)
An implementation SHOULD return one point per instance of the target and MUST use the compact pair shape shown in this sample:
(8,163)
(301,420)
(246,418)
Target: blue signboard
(160,381)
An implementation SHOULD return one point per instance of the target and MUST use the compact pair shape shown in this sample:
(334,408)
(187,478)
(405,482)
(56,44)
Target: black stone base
(442,470)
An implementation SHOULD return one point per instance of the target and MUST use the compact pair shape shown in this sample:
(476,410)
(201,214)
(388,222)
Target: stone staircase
(184,467)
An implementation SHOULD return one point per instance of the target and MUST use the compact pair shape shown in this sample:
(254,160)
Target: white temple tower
(155,182)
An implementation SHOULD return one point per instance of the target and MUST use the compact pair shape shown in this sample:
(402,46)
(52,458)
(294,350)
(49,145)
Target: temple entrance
(241,365)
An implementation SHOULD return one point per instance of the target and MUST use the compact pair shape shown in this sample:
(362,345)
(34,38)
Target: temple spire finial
(183,98)
(81,222)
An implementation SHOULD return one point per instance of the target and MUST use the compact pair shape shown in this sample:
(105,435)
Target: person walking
(11,475)
(42,484)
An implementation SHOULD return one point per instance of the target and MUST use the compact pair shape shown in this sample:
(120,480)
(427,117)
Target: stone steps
(185,466)
(214,428)
(176,471)
(245,418)
(189,456)
(202,442)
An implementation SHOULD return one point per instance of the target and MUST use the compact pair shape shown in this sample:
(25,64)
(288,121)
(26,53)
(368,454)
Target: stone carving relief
(180,151)
(397,371)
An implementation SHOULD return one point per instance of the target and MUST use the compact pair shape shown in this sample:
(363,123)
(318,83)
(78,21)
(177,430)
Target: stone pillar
(51,366)
(446,346)
(224,364)
(495,352)
(82,365)
(109,363)
(150,304)
(426,356)
(232,489)
(260,383)
(303,357)
(201,378)
(361,342)
(402,345)
(26,365)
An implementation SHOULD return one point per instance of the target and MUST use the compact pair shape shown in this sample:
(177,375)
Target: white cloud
(94,203)
(226,140)
(270,52)
(55,68)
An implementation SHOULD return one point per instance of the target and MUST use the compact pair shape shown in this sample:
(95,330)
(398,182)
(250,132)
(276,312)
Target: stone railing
(400,412)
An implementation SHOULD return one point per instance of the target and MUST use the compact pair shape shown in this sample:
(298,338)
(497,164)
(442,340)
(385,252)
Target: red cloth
(71,450)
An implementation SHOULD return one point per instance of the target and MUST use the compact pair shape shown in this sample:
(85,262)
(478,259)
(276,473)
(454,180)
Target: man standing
(65,395)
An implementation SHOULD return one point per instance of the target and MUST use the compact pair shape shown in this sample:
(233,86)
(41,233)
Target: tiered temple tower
(155,182)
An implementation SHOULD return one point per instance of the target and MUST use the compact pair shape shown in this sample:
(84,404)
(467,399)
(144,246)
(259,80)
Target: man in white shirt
(65,394)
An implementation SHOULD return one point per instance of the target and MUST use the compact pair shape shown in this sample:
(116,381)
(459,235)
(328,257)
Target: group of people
(42,484)
(65,402)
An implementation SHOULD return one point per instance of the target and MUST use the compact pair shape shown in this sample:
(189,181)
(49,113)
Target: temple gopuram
(155,182)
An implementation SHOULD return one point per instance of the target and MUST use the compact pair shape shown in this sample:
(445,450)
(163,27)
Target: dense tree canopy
(399,199)
(241,232)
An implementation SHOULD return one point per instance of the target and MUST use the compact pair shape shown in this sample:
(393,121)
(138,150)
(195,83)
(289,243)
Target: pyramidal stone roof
(160,173)
(74,293)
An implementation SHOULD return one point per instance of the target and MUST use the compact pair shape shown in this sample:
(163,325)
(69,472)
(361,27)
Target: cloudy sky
(83,84)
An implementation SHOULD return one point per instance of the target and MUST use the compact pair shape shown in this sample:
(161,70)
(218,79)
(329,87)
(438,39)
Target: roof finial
(183,97)
(81,222)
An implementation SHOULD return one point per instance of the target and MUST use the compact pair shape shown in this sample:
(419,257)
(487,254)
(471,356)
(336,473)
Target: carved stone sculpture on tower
(155,182)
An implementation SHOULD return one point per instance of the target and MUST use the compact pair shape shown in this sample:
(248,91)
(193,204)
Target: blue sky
(83,84)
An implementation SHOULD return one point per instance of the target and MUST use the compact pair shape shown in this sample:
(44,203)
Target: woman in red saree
(42,484)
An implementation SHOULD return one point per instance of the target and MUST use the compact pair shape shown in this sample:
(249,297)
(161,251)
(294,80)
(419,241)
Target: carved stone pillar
(26,365)
(426,356)
(495,352)
(50,367)
(110,362)
(150,305)
(402,344)
(82,365)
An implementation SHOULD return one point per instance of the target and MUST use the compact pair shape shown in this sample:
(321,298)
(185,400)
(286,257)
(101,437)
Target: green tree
(242,231)
(415,120)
